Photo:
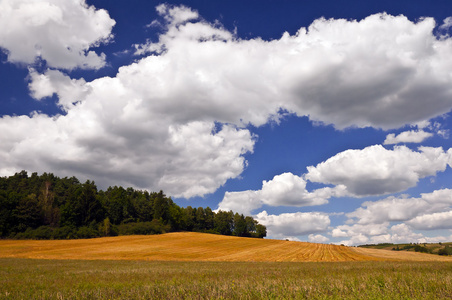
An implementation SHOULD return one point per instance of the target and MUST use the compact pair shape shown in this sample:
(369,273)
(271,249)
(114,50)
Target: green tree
(224,222)
(189,218)
(240,226)
(261,231)
(105,227)
(161,206)
(200,219)
(27,213)
(209,220)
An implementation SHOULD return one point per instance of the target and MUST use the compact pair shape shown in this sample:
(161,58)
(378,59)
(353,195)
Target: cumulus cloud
(61,32)
(447,23)
(125,148)
(244,202)
(285,189)
(407,137)
(391,209)
(69,91)
(318,238)
(293,224)
(356,230)
(400,233)
(396,209)
(374,72)
(372,222)
(158,123)
(439,220)
(376,171)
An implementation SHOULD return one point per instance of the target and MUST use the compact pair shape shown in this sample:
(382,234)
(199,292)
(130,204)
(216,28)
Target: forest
(48,207)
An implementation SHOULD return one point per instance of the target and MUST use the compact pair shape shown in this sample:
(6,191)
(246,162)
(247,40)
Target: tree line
(48,207)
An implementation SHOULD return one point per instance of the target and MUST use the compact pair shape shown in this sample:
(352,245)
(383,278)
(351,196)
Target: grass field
(189,246)
(203,266)
(125,279)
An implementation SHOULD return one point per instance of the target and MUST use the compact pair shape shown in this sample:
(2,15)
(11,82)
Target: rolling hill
(190,246)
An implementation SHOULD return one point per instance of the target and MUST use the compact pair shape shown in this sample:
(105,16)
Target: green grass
(77,279)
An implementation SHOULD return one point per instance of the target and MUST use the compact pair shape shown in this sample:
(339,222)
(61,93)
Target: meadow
(125,279)
(204,266)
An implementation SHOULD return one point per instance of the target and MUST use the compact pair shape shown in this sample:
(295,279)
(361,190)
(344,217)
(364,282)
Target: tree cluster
(47,207)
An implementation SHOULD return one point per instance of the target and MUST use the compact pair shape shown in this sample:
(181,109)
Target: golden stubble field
(189,246)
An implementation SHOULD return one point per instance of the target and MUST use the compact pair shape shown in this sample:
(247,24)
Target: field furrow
(189,246)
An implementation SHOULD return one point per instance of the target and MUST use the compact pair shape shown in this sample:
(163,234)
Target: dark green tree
(224,222)
(261,231)
(240,226)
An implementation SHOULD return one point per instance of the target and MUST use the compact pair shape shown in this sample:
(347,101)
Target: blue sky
(328,121)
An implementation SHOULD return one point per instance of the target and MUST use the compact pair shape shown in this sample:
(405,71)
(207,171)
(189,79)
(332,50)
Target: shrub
(143,228)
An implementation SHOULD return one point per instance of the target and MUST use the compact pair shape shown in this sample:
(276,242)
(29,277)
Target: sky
(327,121)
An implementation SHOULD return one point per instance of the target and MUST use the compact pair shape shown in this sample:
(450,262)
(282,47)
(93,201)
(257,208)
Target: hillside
(432,248)
(190,246)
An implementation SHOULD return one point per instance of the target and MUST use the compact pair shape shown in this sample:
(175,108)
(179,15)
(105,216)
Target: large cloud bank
(176,118)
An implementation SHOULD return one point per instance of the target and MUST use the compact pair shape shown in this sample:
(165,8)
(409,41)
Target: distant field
(433,248)
(189,246)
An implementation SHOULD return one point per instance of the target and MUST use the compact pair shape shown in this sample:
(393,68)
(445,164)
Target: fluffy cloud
(447,23)
(360,230)
(407,137)
(379,70)
(391,209)
(52,82)
(153,124)
(60,32)
(242,202)
(376,171)
(286,189)
(124,149)
(318,238)
(371,222)
(394,209)
(400,233)
(440,220)
(293,224)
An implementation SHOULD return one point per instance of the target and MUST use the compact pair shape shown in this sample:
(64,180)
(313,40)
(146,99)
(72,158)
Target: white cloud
(152,125)
(69,90)
(407,137)
(371,223)
(285,189)
(358,239)
(377,171)
(396,234)
(360,230)
(242,202)
(58,31)
(293,224)
(394,209)
(439,220)
(289,189)
(318,238)
(379,70)
(447,23)
(389,210)
(125,148)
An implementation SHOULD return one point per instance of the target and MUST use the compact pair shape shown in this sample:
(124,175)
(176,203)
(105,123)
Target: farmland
(206,266)
(126,279)
(191,246)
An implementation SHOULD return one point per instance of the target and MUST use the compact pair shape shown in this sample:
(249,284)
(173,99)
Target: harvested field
(189,246)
